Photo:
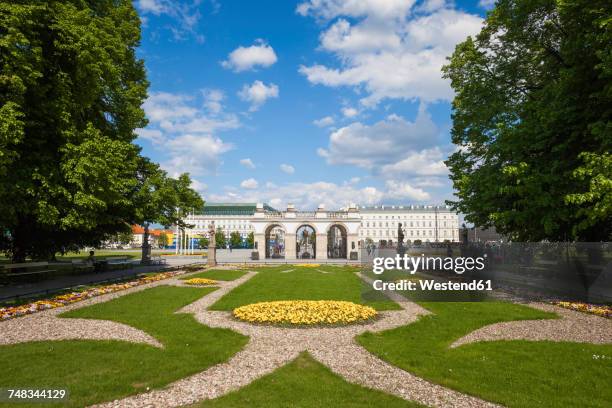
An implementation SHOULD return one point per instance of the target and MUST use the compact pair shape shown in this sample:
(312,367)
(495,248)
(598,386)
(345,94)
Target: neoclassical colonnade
(316,234)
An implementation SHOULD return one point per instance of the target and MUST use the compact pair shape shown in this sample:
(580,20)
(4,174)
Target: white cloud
(186,14)
(387,51)
(287,168)
(329,9)
(248,163)
(404,191)
(152,135)
(487,4)
(183,127)
(385,142)
(246,58)
(307,196)
(324,122)
(303,195)
(213,99)
(350,112)
(427,162)
(249,183)
(196,154)
(257,94)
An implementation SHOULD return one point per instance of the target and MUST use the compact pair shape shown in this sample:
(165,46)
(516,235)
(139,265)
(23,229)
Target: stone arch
(337,241)
(306,242)
(275,241)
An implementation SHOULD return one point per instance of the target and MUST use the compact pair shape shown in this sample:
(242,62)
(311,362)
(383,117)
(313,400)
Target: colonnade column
(290,245)
(260,242)
(352,245)
(322,246)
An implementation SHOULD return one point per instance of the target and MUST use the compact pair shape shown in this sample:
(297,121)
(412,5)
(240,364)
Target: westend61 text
(433,285)
(412,264)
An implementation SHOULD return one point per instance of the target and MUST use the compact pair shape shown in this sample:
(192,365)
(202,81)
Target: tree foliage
(531,118)
(71,90)
(250,240)
(235,239)
(220,238)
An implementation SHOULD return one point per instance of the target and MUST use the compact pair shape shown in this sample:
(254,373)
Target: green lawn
(291,282)
(305,383)
(218,274)
(96,371)
(513,373)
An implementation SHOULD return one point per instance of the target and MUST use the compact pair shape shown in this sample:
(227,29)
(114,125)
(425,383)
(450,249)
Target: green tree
(235,239)
(250,240)
(163,240)
(220,238)
(125,238)
(532,120)
(71,89)
(204,242)
(163,200)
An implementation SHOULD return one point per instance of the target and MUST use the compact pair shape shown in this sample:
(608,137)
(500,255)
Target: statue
(212,250)
(401,250)
(400,235)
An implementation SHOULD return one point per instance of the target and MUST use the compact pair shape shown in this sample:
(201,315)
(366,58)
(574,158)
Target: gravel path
(45,325)
(272,347)
(573,326)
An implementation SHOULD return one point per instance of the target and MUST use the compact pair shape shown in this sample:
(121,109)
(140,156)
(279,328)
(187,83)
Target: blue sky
(305,102)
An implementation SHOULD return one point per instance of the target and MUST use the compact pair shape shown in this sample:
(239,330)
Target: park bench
(81,265)
(122,261)
(158,260)
(28,269)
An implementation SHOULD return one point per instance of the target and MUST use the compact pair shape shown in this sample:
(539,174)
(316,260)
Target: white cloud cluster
(287,168)
(394,149)
(248,163)
(324,122)
(387,141)
(187,15)
(257,94)
(250,184)
(184,128)
(309,195)
(247,58)
(213,100)
(390,49)
(349,112)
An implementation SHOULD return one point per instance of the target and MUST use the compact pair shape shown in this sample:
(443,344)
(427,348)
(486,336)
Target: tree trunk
(20,238)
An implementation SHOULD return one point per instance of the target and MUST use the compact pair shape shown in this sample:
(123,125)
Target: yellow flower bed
(200,281)
(309,265)
(599,310)
(305,312)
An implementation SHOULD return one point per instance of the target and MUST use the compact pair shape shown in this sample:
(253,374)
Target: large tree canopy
(71,90)
(532,120)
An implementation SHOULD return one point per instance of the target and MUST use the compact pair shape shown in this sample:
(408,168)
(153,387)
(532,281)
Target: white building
(426,223)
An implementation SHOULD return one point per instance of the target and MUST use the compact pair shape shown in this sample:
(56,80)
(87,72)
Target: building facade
(425,223)
(323,234)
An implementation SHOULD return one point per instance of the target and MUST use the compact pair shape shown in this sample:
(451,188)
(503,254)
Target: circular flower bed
(305,312)
(200,281)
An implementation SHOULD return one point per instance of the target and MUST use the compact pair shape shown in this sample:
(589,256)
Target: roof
(406,208)
(232,208)
(137,229)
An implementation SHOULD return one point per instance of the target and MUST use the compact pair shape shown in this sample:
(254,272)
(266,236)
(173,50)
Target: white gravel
(272,347)
(573,326)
